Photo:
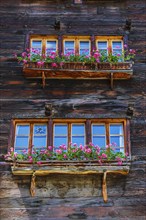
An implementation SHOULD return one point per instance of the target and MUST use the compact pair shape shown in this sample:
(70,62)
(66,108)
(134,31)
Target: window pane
(78,129)
(60,135)
(78,140)
(100,141)
(36,46)
(39,141)
(118,140)
(21,142)
(59,141)
(40,129)
(117,49)
(50,47)
(60,130)
(98,129)
(69,47)
(84,48)
(78,134)
(116,129)
(102,47)
(117,45)
(22,130)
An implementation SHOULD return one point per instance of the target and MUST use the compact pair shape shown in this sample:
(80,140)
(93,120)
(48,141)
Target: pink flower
(40,63)
(104,155)
(117,46)
(88,150)
(24,54)
(58,151)
(54,65)
(126,154)
(39,162)
(125,45)
(63,147)
(65,156)
(24,61)
(50,148)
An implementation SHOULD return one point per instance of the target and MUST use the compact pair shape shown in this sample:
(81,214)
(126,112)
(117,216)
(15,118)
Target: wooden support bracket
(32,185)
(104,187)
(112,80)
(43,79)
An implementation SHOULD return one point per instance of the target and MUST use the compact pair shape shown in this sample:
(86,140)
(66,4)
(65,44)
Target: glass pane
(69,47)
(78,140)
(100,141)
(98,129)
(21,142)
(78,129)
(60,130)
(59,141)
(118,140)
(37,46)
(117,45)
(39,141)
(116,129)
(23,130)
(51,47)
(84,48)
(117,52)
(119,150)
(40,129)
(102,45)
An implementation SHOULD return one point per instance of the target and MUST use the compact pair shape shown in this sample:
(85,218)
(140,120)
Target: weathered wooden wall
(22,98)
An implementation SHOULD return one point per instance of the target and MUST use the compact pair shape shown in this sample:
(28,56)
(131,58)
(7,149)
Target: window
(77,45)
(30,134)
(51,46)
(43,44)
(108,44)
(107,133)
(68,133)
(69,47)
(42,133)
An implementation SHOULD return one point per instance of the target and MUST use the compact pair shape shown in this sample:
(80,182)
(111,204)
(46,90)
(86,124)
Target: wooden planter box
(78,70)
(68,167)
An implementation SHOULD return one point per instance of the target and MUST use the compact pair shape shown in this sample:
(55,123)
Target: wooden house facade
(72,97)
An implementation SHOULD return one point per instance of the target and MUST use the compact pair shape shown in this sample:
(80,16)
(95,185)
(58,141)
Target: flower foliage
(74,153)
(56,60)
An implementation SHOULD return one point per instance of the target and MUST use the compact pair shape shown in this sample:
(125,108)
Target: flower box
(69,168)
(78,70)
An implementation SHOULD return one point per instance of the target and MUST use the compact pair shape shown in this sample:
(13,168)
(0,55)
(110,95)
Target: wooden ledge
(31,71)
(84,169)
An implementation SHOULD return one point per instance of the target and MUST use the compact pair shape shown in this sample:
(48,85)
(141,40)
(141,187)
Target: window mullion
(109,48)
(30,138)
(76,46)
(107,134)
(88,131)
(44,46)
(50,133)
(69,135)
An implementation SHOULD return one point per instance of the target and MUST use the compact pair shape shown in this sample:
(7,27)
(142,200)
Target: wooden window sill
(71,168)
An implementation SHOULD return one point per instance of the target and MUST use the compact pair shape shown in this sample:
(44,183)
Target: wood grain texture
(70,98)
